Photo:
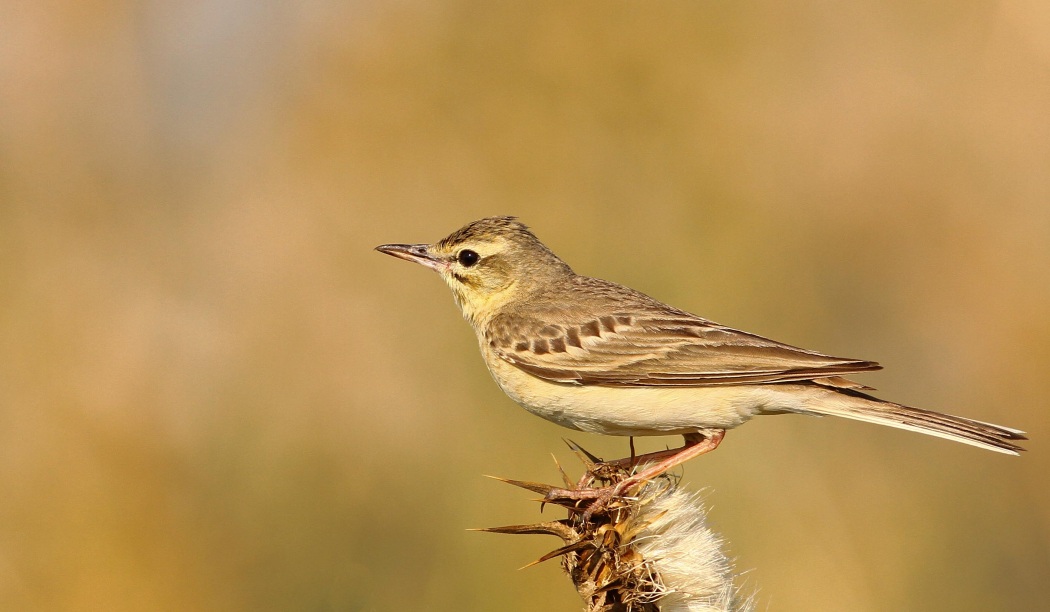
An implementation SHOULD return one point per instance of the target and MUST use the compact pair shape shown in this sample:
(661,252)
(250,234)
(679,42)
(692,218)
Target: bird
(600,357)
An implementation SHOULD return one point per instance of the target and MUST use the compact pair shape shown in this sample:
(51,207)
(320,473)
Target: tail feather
(863,407)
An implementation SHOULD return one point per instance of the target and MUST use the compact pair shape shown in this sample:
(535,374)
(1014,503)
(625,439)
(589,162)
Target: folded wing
(669,348)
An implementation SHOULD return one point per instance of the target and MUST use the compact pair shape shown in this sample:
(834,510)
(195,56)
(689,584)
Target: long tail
(853,404)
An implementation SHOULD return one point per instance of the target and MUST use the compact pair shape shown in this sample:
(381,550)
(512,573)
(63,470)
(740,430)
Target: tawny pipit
(600,357)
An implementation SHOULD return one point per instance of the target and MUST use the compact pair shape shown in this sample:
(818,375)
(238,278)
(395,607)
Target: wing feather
(669,348)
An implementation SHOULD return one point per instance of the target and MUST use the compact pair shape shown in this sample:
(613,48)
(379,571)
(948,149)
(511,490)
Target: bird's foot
(589,500)
(621,474)
(621,478)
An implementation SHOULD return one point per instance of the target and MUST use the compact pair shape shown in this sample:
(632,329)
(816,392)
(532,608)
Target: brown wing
(669,348)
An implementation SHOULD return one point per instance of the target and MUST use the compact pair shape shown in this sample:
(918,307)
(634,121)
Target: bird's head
(487,263)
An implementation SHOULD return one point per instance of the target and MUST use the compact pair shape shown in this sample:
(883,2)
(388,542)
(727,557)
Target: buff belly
(641,411)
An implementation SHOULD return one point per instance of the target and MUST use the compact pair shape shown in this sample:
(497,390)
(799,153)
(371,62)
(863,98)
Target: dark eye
(467,258)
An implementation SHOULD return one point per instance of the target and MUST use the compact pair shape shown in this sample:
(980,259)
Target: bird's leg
(695,445)
(608,470)
(634,460)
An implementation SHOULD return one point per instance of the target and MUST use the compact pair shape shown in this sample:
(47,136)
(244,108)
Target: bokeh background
(215,396)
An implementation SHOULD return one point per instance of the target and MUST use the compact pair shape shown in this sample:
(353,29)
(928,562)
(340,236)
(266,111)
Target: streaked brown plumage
(597,356)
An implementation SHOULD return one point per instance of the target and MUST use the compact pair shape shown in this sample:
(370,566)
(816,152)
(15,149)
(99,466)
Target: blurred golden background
(215,396)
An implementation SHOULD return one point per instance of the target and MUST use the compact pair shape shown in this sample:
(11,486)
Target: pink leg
(695,445)
(636,460)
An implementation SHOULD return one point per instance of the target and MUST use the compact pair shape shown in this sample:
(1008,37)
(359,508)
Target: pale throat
(478,307)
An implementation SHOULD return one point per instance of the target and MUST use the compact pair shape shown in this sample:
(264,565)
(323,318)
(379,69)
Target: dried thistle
(648,549)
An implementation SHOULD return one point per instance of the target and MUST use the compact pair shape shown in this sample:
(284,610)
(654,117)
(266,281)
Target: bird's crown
(488,229)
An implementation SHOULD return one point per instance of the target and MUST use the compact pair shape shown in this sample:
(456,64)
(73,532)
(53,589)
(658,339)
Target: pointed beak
(418,253)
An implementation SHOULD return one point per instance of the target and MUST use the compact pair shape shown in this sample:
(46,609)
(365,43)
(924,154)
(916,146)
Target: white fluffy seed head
(684,556)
